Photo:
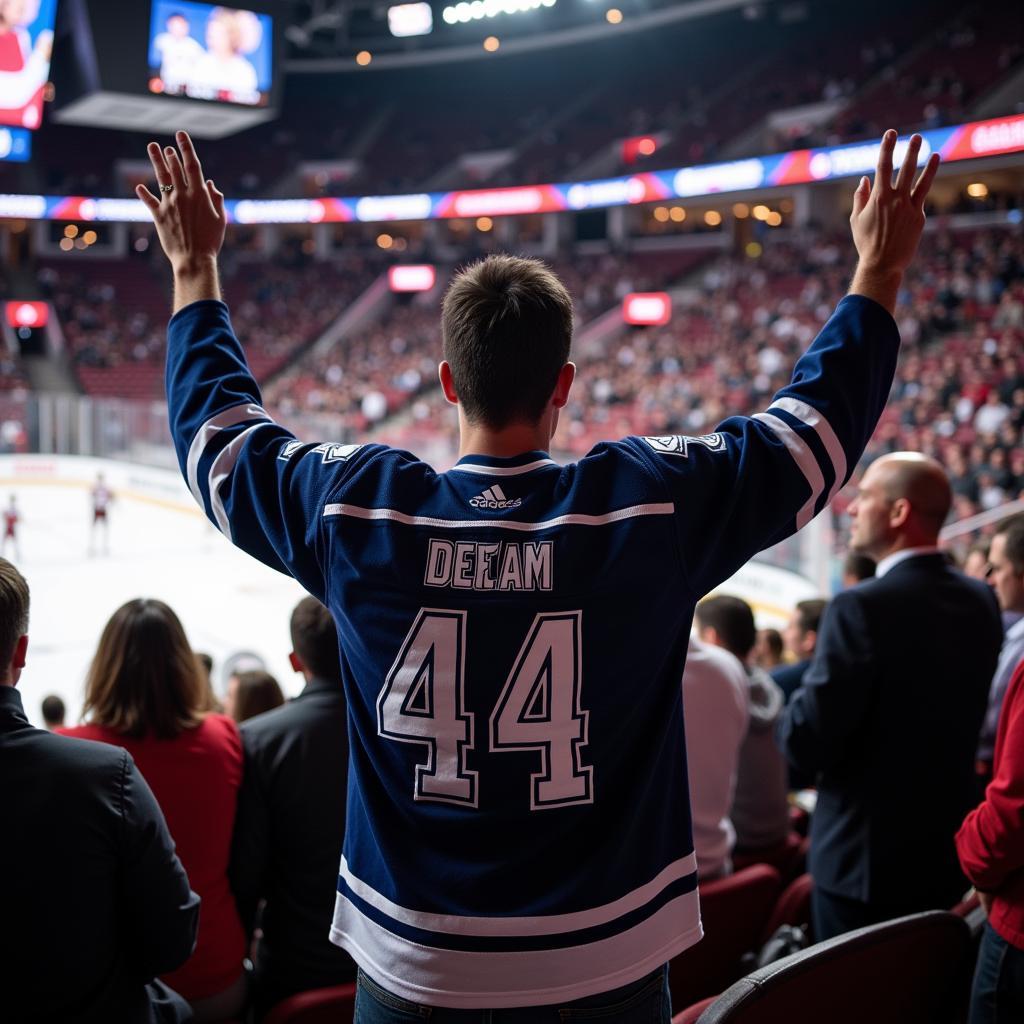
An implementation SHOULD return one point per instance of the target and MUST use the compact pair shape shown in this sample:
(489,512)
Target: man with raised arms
(518,830)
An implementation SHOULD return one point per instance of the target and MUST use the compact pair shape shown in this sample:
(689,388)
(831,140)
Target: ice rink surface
(166,549)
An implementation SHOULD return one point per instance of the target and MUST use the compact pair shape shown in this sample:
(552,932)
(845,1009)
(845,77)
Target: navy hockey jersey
(513,634)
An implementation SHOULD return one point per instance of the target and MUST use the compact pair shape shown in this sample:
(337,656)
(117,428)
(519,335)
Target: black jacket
(95,902)
(888,715)
(288,837)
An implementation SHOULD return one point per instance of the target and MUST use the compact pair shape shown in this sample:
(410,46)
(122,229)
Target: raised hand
(189,215)
(887,220)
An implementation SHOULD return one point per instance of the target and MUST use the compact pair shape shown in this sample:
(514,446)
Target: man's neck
(516,439)
(903,544)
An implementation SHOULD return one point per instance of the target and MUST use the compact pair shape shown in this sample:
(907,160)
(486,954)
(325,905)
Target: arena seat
(907,971)
(793,907)
(734,911)
(787,857)
(334,1005)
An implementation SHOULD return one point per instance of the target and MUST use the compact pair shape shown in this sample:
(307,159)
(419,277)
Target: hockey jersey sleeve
(263,489)
(758,479)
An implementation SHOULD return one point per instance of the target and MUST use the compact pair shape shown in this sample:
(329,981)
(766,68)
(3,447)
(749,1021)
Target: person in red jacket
(990,845)
(144,692)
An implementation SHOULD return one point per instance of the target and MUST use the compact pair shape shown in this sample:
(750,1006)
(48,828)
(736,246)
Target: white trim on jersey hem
(463,979)
(547,924)
(208,431)
(472,467)
(816,420)
(573,519)
(803,457)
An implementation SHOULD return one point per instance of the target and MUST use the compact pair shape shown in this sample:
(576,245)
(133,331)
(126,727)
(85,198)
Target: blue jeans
(643,1002)
(998,993)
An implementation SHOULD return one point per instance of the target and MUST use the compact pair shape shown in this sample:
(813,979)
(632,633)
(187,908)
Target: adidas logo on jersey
(494,497)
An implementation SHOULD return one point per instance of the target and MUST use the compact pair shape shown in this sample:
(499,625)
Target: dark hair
(809,614)
(1012,530)
(144,678)
(205,661)
(733,620)
(14,601)
(507,328)
(315,639)
(257,692)
(53,710)
(859,566)
(773,641)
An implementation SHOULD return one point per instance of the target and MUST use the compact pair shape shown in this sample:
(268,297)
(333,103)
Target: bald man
(888,713)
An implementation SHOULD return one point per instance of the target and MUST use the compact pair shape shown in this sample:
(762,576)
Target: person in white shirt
(223,69)
(715,702)
(179,53)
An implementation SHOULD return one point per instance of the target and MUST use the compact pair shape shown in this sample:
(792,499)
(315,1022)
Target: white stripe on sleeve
(222,468)
(816,421)
(208,431)
(803,457)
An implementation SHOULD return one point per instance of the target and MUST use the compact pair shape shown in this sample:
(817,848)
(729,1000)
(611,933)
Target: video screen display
(26,40)
(207,52)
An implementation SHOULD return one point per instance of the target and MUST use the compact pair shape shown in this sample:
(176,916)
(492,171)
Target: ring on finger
(166,188)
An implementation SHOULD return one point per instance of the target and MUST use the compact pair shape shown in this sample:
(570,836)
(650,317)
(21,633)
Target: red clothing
(195,778)
(990,842)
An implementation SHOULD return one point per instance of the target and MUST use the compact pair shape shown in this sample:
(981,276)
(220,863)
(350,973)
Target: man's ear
(809,641)
(20,650)
(444,372)
(563,385)
(296,662)
(899,513)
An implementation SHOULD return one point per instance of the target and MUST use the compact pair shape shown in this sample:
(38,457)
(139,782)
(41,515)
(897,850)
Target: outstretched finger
(908,168)
(883,176)
(178,179)
(193,168)
(216,198)
(924,182)
(160,168)
(150,200)
(861,196)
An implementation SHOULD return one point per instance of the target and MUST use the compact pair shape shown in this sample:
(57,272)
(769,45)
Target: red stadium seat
(787,857)
(908,971)
(734,911)
(334,1005)
(793,907)
(691,1013)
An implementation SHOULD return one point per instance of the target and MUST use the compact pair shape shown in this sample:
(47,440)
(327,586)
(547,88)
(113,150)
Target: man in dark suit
(95,904)
(291,820)
(800,637)
(889,711)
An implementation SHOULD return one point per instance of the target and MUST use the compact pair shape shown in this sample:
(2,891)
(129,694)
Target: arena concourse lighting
(647,308)
(477,10)
(412,278)
(410,20)
(27,314)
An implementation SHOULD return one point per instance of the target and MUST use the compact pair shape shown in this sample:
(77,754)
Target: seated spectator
(144,693)
(990,844)
(1006,576)
(888,714)
(800,636)
(291,820)
(251,693)
(768,650)
(760,810)
(210,702)
(96,904)
(857,567)
(976,562)
(53,711)
(716,718)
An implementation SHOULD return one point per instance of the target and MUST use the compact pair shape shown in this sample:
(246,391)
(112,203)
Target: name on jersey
(505,565)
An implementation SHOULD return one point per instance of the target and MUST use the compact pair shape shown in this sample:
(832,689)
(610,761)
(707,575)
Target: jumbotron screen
(207,52)
(26,40)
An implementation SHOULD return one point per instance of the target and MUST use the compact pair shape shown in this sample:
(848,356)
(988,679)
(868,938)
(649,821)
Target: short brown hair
(258,691)
(144,679)
(732,619)
(315,639)
(13,611)
(809,613)
(507,328)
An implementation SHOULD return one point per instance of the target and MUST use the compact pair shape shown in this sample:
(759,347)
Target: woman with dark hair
(250,694)
(144,692)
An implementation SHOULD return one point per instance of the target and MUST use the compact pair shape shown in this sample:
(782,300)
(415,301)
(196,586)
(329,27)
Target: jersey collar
(515,465)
